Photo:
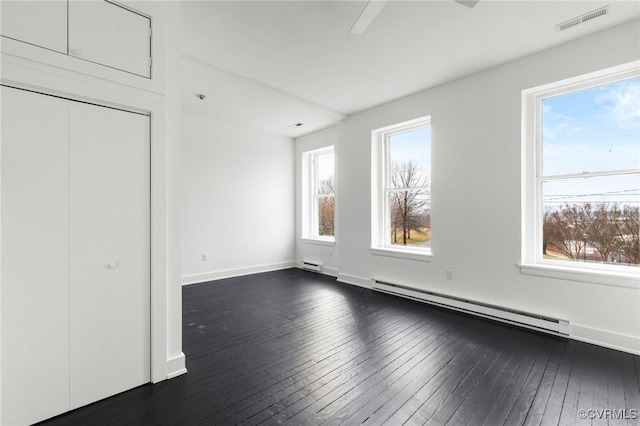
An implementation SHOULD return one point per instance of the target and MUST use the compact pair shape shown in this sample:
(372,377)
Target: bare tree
(326,207)
(565,229)
(408,206)
(549,231)
(608,228)
(629,238)
(604,229)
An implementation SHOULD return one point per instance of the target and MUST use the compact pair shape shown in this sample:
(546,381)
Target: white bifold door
(75,253)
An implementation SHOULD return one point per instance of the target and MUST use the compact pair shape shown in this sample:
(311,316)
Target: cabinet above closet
(42,23)
(97,31)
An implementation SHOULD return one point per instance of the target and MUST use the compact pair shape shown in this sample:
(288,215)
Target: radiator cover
(555,326)
(310,266)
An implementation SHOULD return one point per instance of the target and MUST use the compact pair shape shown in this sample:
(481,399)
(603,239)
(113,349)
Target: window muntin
(319,196)
(403,196)
(586,188)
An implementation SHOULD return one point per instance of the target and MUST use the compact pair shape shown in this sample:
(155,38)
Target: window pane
(326,214)
(324,189)
(410,158)
(592,220)
(410,218)
(593,130)
(325,164)
(325,167)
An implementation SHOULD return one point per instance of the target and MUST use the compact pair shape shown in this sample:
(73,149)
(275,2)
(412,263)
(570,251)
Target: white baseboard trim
(354,280)
(333,272)
(607,339)
(230,273)
(176,366)
(330,271)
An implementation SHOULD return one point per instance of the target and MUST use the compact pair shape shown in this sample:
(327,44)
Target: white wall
(476,193)
(237,200)
(322,253)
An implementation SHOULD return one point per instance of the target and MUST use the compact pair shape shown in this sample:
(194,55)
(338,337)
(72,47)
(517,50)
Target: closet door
(109,252)
(35,257)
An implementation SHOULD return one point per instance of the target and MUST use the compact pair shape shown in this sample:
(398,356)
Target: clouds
(622,102)
(555,122)
(592,130)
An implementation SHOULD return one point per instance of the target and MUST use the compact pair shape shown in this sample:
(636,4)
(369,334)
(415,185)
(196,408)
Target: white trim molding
(176,366)
(625,280)
(238,272)
(401,254)
(354,280)
(607,339)
(318,242)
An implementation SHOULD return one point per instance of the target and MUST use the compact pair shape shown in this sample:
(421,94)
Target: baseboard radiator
(309,266)
(528,320)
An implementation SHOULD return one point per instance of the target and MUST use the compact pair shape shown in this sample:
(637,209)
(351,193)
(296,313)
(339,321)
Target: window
(582,172)
(319,194)
(401,188)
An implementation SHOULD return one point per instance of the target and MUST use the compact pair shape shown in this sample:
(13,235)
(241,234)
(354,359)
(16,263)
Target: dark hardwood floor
(293,347)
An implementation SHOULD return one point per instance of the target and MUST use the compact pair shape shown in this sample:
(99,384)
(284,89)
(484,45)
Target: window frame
(532,261)
(380,191)
(311,196)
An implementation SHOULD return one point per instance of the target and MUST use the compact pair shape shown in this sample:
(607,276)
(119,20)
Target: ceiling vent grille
(582,18)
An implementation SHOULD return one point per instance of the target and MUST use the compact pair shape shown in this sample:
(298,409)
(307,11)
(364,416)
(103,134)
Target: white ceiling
(269,64)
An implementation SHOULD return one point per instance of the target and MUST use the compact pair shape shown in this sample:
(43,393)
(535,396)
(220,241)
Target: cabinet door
(35,257)
(109,251)
(109,34)
(43,23)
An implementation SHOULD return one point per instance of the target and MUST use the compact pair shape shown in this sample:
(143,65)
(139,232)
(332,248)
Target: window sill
(402,254)
(318,241)
(595,276)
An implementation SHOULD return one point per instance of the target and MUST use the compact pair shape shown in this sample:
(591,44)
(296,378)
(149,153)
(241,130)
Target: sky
(326,164)
(593,131)
(413,146)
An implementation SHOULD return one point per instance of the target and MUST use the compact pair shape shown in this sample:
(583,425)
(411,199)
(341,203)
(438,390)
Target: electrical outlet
(449,274)
(330,252)
(205,257)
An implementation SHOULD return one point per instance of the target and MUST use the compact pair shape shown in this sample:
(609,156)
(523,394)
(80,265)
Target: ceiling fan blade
(368,14)
(469,3)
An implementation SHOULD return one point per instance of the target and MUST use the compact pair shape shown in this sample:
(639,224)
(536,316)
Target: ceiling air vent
(582,18)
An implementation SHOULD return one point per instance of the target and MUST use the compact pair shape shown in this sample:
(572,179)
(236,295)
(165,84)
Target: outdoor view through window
(408,193)
(324,193)
(590,175)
